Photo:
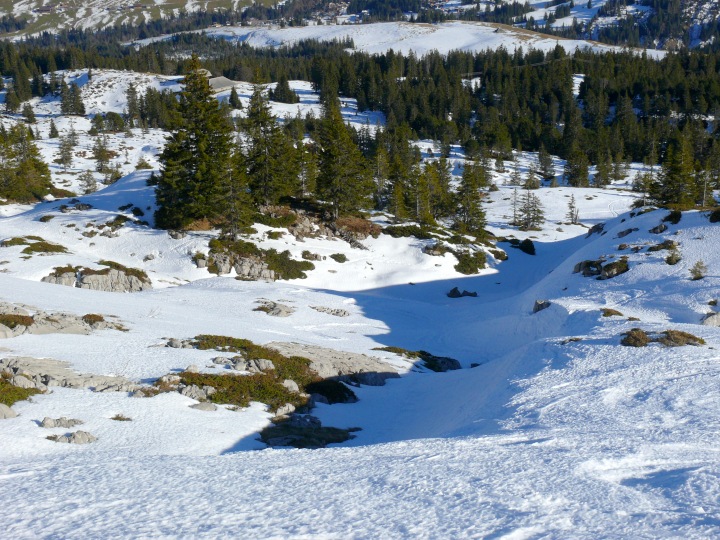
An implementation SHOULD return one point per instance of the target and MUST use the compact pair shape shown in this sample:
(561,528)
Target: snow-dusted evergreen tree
(531,213)
(573,214)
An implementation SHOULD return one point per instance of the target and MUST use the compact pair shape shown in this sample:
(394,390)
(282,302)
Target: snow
(405,37)
(551,429)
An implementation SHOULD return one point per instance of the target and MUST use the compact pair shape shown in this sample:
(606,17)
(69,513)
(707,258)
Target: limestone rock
(335,312)
(69,279)
(659,229)
(62,422)
(192,368)
(113,280)
(78,437)
(713,319)
(340,365)
(285,409)
(274,309)
(6,412)
(22,382)
(588,268)
(540,305)
(624,233)
(193,391)
(291,385)
(204,406)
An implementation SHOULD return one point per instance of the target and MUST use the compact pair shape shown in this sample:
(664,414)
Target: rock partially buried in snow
(713,319)
(540,305)
(455,293)
(113,280)
(204,406)
(62,422)
(335,312)
(274,309)
(78,437)
(6,412)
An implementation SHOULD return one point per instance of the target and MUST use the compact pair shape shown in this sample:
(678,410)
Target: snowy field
(406,37)
(558,431)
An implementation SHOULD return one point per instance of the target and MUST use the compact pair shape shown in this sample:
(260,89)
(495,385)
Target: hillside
(549,428)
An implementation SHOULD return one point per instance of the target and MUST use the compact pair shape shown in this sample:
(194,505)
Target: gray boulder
(62,422)
(285,409)
(194,392)
(22,382)
(78,437)
(540,305)
(274,309)
(6,412)
(291,385)
(335,312)
(713,319)
(253,269)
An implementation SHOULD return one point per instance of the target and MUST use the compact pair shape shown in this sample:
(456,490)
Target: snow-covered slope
(405,37)
(552,428)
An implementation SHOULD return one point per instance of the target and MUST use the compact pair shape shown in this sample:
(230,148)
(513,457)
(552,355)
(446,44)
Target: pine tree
(87,182)
(12,101)
(283,93)
(545,162)
(234,100)
(268,151)
(344,180)
(133,106)
(470,217)
(101,154)
(675,185)
(28,113)
(53,134)
(24,177)
(576,169)
(531,212)
(66,152)
(573,212)
(196,158)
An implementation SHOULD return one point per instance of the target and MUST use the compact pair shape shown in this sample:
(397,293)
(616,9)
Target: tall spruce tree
(344,179)
(196,158)
(470,217)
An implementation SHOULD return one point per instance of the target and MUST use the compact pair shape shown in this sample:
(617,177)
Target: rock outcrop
(340,365)
(335,312)
(62,422)
(6,412)
(29,320)
(112,279)
(78,437)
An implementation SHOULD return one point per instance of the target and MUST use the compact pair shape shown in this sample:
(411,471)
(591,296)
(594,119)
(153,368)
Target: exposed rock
(659,229)
(254,269)
(51,323)
(257,365)
(113,280)
(6,412)
(174,343)
(68,279)
(201,262)
(5,332)
(336,312)
(597,228)
(455,293)
(589,268)
(614,269)
(62,422)
(194,392)
(274,309)
(22,382)
(302,228)
(340,365)
(285,409)
(222,262)
(443,363)
(291,385)
(192,368)
(540,305)
(713,319)
(56,373)
(149,257)
(204,406)
(78,437)
(624,233)
(177,235)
